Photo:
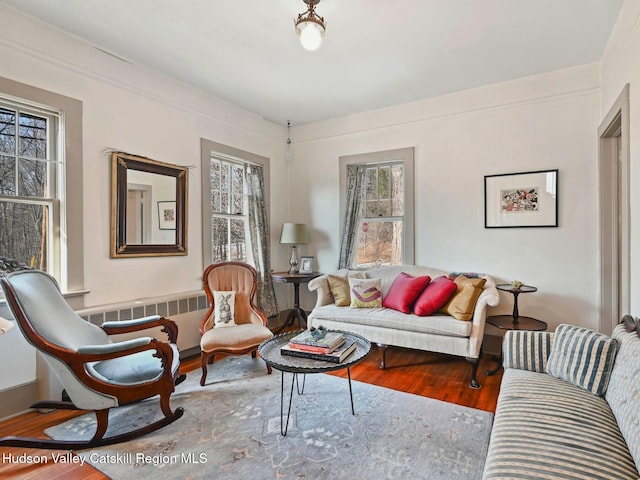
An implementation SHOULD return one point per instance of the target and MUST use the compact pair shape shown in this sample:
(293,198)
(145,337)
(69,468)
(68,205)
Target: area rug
(231,430)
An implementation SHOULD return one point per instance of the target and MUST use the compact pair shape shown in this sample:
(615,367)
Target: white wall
(542,122)
(137,111)
(621,65)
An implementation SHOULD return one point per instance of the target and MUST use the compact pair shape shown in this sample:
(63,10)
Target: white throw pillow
(224,308)
(365,293)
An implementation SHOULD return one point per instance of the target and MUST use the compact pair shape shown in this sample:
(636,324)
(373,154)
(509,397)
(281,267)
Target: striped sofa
(549,428)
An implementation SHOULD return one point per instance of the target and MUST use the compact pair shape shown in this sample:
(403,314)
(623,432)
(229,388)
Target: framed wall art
(528,199)
(167,215)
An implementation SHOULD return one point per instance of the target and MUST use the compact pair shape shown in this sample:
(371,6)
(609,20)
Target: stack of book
(333,347)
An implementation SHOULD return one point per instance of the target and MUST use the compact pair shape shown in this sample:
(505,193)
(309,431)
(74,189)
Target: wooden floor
(421,373)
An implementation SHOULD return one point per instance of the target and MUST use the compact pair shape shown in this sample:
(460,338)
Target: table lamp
(294,234)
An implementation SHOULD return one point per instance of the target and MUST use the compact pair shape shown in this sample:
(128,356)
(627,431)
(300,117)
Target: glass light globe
(311,36)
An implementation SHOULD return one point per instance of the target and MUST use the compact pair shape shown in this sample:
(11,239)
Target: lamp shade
(294,234)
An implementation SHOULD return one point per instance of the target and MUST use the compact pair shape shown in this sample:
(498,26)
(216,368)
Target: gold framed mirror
(148,207)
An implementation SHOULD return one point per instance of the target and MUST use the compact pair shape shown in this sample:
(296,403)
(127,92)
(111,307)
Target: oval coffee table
(270,352)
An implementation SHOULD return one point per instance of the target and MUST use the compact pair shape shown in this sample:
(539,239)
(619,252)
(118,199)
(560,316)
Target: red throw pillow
(404,291)
(434,296)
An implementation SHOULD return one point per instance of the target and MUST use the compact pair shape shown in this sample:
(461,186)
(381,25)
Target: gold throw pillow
(462,304)
(339,287)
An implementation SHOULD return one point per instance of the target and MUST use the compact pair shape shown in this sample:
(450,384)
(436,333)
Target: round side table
(296,312)
(514,321)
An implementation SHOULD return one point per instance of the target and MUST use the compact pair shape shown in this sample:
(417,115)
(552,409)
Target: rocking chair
(96,373)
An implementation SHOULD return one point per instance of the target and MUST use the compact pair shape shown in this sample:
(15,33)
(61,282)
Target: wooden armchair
(96,373)
(250,328)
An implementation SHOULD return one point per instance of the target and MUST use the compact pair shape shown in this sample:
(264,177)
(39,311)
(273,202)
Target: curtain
(355,182)
(259,236)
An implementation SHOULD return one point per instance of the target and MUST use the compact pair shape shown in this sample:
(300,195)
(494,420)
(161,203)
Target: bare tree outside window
(381,220)
(27,185)
(228,222)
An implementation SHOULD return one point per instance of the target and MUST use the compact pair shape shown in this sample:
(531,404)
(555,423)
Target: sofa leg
(475,362)
(383,359)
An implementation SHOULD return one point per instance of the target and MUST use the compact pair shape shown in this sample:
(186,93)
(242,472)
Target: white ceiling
(376,53)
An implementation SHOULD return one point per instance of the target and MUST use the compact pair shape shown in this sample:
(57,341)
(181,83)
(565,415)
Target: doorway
(614,206)
(138,214)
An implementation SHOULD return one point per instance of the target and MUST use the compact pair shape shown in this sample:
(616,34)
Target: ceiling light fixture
(310,27)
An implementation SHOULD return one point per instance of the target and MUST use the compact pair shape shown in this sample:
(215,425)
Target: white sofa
(383,326)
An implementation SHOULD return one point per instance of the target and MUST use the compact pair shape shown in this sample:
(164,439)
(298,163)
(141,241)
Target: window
(227,204)
(381,216)
(228,210)
(381,226)
(30,186)
(51,189)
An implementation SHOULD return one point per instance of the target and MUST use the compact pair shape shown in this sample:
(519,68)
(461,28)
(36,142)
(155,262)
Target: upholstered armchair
(233,329)
(97,373)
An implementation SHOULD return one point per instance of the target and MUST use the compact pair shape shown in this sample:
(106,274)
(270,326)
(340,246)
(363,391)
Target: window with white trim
(384,229)
(226,203)
(31,185)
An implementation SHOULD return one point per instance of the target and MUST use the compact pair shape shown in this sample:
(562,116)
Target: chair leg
(254,355)
(165,405)
(205,358)
(102,422)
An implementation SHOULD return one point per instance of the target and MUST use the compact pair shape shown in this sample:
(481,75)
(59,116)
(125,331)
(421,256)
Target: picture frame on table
(306,265)
(167,215)
(517,200)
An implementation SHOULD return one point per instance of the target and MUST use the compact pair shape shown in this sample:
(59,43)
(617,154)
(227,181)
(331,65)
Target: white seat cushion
(237,338)
(389,318)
